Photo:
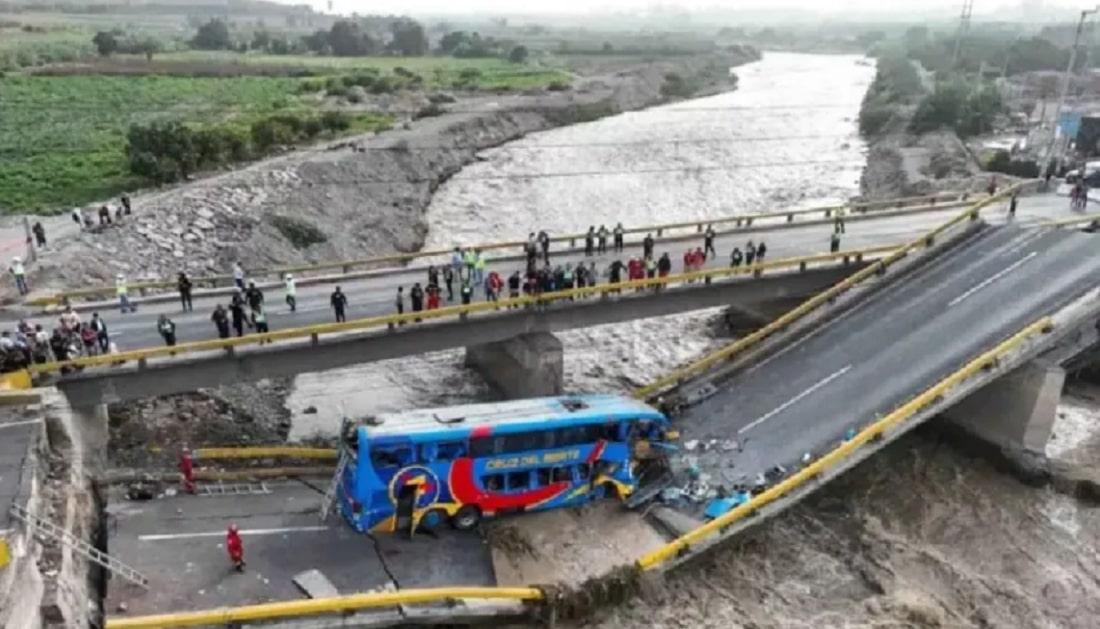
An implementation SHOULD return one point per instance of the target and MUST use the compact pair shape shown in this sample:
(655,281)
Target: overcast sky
(1054,8)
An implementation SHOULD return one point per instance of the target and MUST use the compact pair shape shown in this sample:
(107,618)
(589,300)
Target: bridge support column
(93,430)
(1015,413)
(528,365)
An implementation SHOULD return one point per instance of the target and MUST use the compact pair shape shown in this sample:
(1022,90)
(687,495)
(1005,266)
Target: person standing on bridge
(183,284)
(761,251)
(416,298)
(664,265)
(449,280)
(254,296)
(647,246)
(221,321)
(590,241)
(544,242)
(467,293)
(601,239)
(736,257)
(259,319)
(100,327)
(19,272)
(750,253)
(167,330)
(399,301)
(290,287)
(514,282)
(479,268)
(838,221)
(618,233)
(708,242)
(238,275)
(236,309)
(834,243)
(123,294)
(339,302)
(432,293)
(235,548)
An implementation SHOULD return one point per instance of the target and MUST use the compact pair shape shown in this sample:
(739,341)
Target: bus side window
(519,481)
(429,452)
(584,472)
(610,432)
(543,476)
(562,474)
(493,482)
(387,457)
(450,451)
(481,447)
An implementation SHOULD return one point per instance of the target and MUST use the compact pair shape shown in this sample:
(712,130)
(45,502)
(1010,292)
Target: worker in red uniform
(234,547)
(187,470)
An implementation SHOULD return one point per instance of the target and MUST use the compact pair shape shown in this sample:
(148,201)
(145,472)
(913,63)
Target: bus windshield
(458,465)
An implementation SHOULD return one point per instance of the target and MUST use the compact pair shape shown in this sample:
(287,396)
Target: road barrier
(1082,221)
(741,345)
(869,434)
(276,452)
(228,617)
(942,201)
(393,321)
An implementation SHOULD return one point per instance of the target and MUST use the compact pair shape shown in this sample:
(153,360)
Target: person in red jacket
(433,297)
(187,470)
(234,547)
(699,259)
(496,284)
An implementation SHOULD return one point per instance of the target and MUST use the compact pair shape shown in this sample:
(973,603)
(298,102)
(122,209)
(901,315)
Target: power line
(539,147)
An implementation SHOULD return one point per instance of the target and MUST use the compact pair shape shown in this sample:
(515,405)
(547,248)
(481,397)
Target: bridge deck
(904,339)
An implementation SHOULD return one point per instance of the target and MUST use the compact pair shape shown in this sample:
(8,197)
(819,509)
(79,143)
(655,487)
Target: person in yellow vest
(479,268)
(20,274)
(123,294)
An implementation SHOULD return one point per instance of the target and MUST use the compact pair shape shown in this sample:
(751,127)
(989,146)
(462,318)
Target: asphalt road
(866,363)
(18,437)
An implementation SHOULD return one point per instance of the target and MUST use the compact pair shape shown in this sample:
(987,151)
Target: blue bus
(421,469)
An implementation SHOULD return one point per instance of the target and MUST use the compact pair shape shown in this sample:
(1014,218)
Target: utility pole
(1049,156)
(964,27)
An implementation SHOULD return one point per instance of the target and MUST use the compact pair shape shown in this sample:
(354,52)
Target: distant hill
(232,8)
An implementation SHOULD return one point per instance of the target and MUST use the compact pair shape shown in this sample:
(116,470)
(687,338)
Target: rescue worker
(20,273)
(100,328)
(259,320)
(183,285)
(647,246)
(834,243)
(167,330)
(122,292)
(187,469)
(601,240)
(708,242)
(736,257)
(590,241)
(235,548)
(468,262)
(479,267)
(618,232)
(221,321)
(449,280)
(290,288)
(339,303)
(236,309)
(761,250)
(254,296)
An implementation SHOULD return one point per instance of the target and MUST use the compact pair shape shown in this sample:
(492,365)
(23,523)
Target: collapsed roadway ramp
(806,393)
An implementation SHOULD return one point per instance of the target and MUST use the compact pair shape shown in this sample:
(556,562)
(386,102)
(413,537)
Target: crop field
(63,139)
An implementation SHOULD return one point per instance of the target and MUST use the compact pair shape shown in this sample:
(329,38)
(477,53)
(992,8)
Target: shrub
(337,92)
(299,233)
(557,86)
(335,121)
(429,111)
(873,117)
(440,98)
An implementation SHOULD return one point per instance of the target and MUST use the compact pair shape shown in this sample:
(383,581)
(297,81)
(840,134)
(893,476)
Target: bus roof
(515,414)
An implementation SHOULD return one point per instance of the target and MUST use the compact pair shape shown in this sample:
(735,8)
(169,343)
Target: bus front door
(406,504)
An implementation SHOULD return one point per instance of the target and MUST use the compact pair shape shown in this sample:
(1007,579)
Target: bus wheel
(608,490)
(433,519)
(466,518)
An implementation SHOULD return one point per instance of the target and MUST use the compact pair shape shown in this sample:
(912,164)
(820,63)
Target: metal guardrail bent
(264,452)
(360,325)
(941,201)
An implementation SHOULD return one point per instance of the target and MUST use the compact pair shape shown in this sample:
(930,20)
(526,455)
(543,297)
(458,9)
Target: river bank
(368,196)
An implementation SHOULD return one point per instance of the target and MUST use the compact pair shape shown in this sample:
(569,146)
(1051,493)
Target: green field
(63,139)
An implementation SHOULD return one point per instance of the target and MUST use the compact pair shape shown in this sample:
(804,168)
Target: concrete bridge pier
(1015,413)
(93,430)
(528,365)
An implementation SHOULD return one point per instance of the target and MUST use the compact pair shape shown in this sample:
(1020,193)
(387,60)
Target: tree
(347,39)
(213,35)
(518,54)
(409,38)
(105,43)
(451,41)
(147,47)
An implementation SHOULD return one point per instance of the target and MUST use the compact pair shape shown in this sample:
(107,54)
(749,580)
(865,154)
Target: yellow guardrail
(1072,222)
(933,202)
(360,325)
(265,452)
(871,433)
(747,342)
(340,604)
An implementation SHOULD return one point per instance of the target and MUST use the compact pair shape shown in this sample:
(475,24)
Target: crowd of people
(71,338)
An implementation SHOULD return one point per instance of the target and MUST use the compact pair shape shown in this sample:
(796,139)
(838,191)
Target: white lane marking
(170,536)
(22,423)
(992,278)
(791,402)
